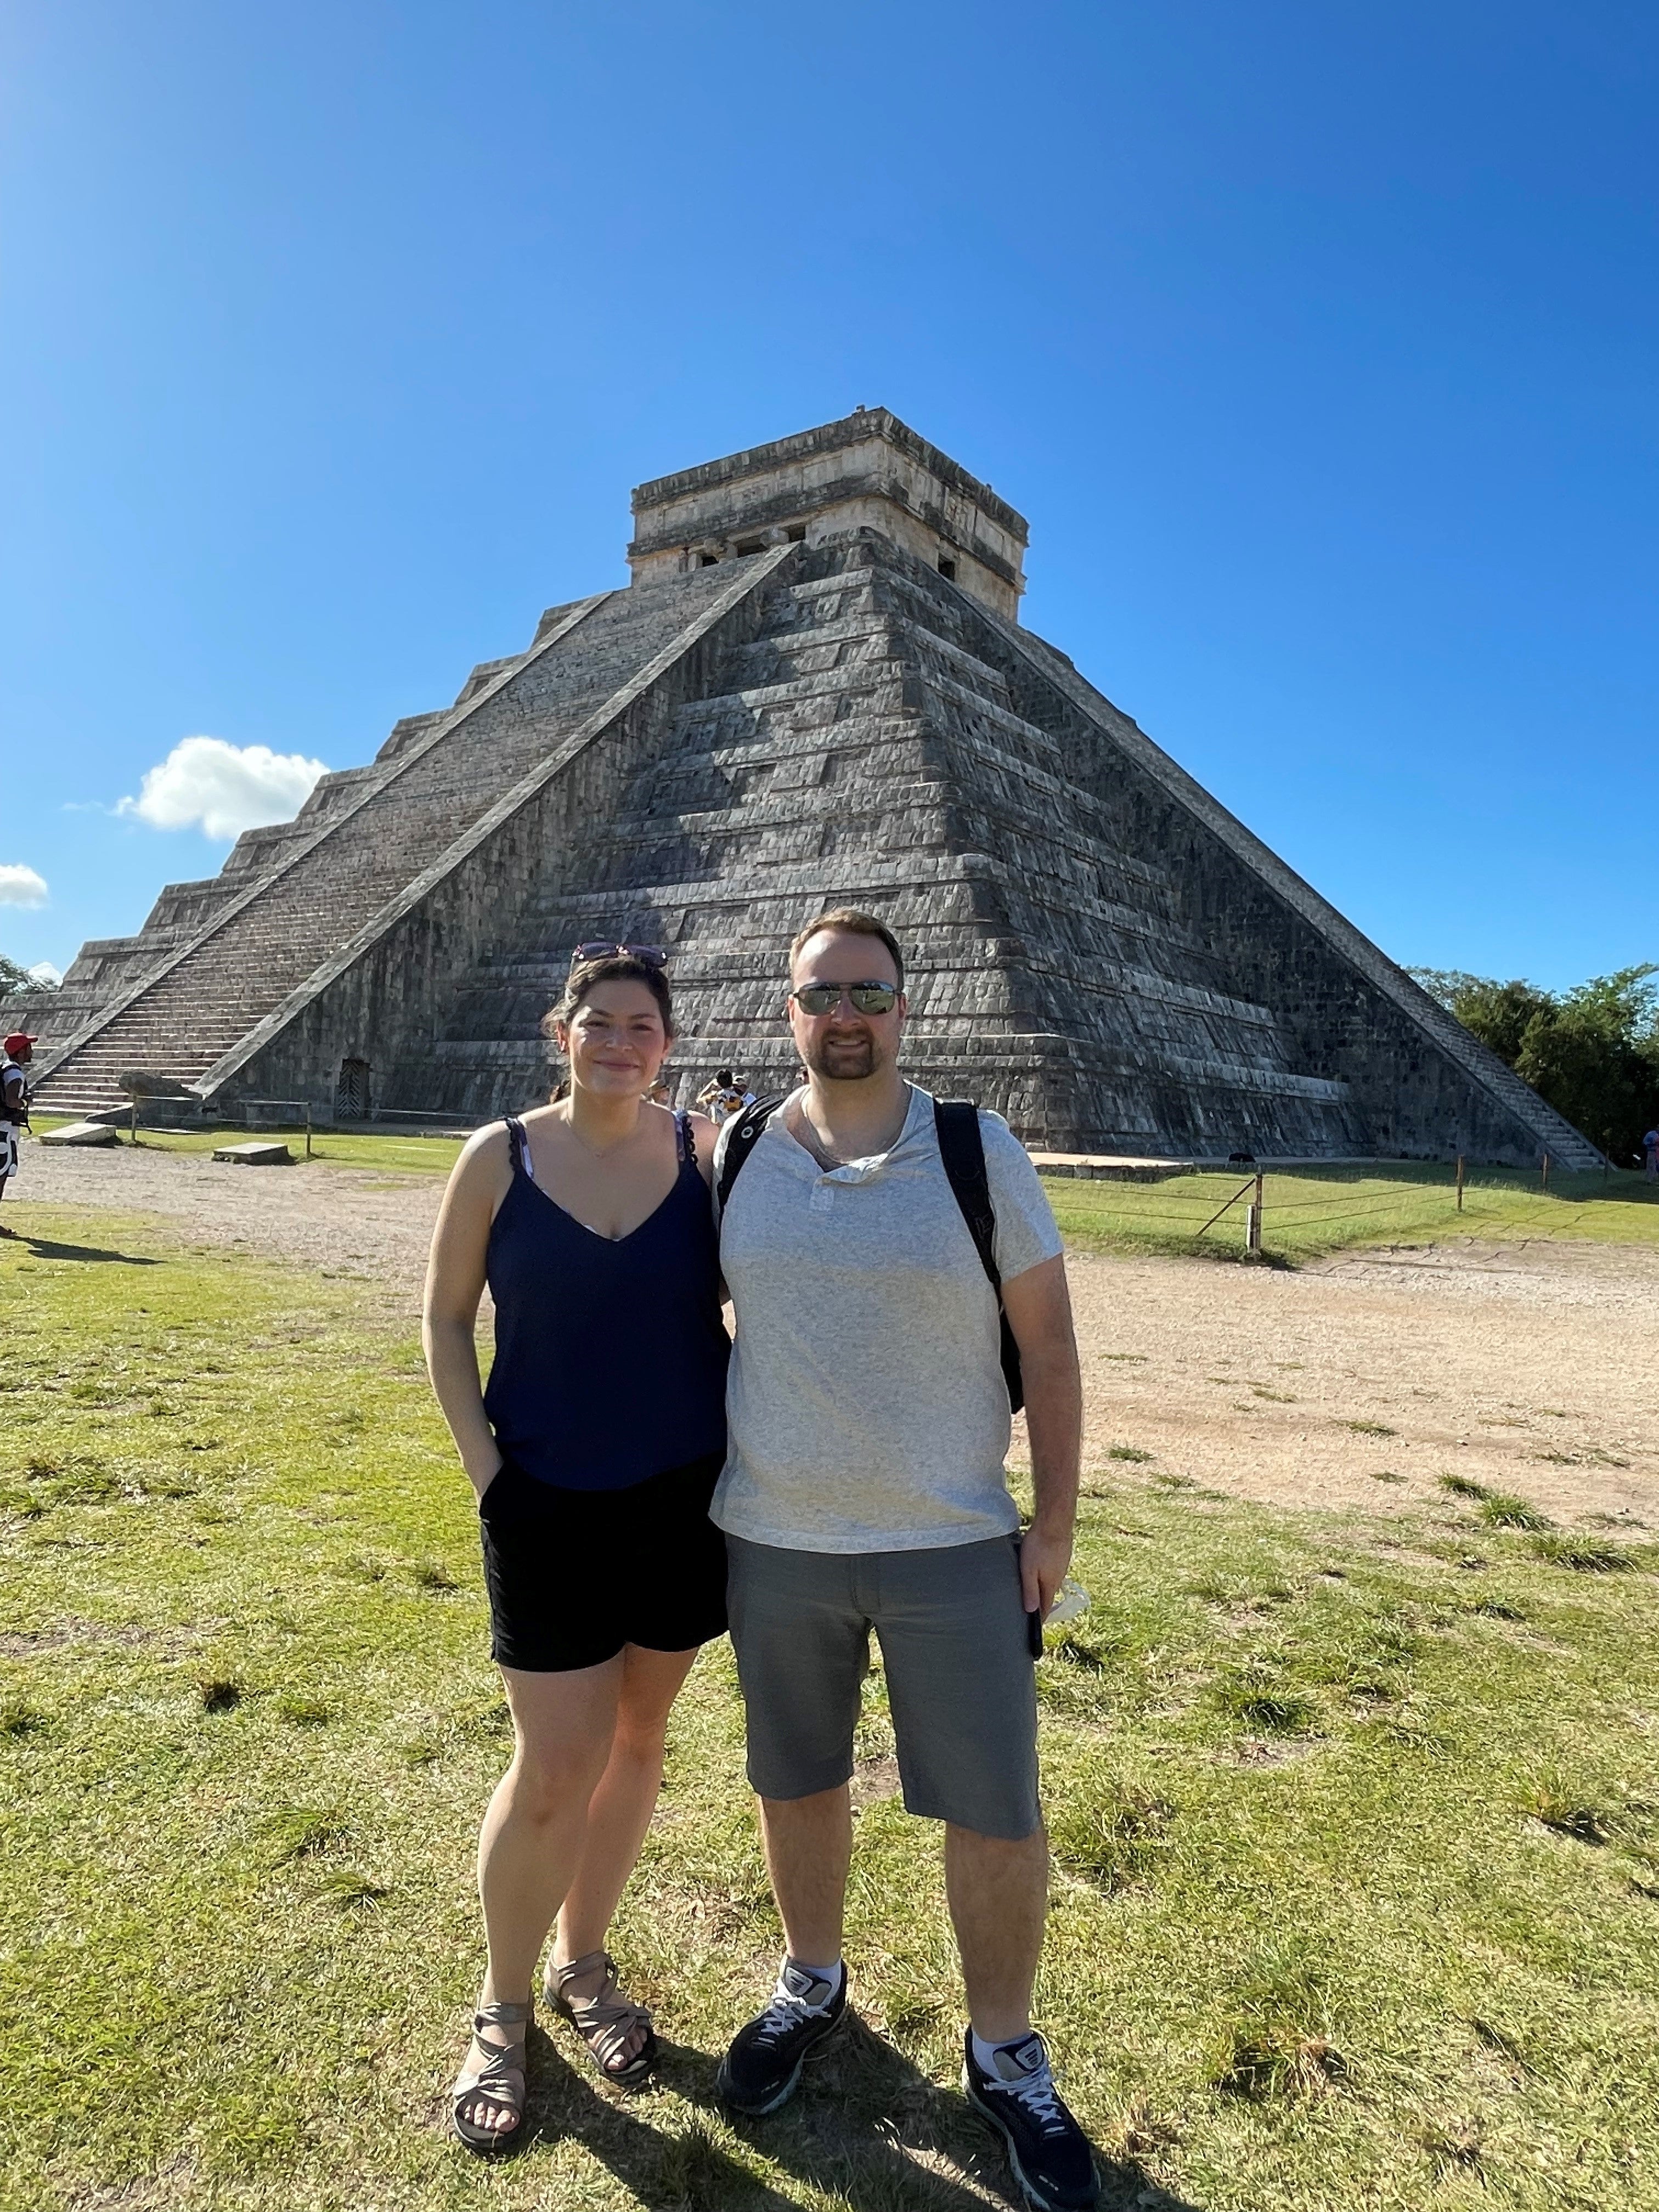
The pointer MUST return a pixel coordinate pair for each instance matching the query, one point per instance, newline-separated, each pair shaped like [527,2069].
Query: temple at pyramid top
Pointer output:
[815,691]
[867,468]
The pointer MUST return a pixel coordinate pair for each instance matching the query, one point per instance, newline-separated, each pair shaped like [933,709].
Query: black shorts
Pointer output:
[574,1575]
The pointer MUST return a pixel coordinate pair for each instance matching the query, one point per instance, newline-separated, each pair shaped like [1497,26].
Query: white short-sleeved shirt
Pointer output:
[866,1403]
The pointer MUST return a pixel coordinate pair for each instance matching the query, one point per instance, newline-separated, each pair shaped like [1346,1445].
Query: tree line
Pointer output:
[17,982]
[1592,1052]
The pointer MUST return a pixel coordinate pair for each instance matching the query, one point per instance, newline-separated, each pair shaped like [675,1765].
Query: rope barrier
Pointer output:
[1135,1220]
[1352,1212]
[1415,1204]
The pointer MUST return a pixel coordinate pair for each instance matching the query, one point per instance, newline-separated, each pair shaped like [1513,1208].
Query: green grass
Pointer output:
[403,1155]
[1498,1509]
[1307,1213]
[1357,1889]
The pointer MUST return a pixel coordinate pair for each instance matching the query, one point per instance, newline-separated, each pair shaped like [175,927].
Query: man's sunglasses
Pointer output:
[866,997]
[652,955]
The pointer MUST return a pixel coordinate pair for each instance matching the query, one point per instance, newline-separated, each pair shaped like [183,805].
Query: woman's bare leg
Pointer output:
[619,1811]
[535,1831]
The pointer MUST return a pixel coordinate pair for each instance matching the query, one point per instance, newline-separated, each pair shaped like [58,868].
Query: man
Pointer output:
[18,1051]
[863,1488]
[1651,1154]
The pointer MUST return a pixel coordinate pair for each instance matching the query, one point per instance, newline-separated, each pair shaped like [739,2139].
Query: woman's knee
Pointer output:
[640,1738]
[647,1700]
[548,1779]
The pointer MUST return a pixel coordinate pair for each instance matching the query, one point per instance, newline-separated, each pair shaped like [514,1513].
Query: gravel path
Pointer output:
[1357,1381]
[343,1221]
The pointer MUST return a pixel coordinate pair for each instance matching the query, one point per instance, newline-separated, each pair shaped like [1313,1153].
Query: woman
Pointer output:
[593,1452]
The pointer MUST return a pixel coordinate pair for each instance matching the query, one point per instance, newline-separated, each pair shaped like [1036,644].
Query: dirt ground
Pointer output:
[1354,1382]
[1358,1381]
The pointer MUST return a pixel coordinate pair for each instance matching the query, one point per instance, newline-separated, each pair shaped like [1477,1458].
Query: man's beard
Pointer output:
[847,1060]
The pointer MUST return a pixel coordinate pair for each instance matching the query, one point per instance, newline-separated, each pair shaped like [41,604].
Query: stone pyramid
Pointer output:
[814,689]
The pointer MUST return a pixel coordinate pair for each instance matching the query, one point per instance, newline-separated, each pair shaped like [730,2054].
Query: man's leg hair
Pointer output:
[998,1893]
[809,1853]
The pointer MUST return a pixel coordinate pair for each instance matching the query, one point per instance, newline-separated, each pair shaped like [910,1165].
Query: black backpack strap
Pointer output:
[962,1148]
[518,1145]
[963,1151]
[737,1139]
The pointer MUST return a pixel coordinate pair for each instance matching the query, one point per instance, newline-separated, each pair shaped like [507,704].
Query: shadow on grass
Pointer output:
[867,2126]
[666,2172]
[43,1247]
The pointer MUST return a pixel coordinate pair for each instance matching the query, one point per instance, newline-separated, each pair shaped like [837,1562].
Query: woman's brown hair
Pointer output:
[611,967]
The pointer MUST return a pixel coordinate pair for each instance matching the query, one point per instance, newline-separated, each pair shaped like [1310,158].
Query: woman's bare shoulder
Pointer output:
[483,1157]
[703,1134]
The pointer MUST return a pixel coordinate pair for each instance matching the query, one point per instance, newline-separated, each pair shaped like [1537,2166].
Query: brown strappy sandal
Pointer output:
[500,2081]
[605,2021]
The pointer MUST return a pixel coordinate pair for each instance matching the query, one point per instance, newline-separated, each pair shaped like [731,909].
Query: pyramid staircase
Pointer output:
[436,776]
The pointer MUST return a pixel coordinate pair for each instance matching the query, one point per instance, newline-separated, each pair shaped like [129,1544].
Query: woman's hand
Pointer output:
[481,1482]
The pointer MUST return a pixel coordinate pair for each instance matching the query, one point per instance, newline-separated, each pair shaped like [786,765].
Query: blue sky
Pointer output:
[1318,343]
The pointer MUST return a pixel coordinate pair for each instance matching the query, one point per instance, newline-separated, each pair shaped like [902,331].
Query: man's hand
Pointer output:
[1044,1556]
[1039,1312]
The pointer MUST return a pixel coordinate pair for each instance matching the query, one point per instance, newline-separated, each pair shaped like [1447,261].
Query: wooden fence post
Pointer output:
[1252,1219]
[1547,1171]
[1460,1182]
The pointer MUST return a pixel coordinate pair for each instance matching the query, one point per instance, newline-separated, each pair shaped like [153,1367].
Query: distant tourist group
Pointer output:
[646,1485]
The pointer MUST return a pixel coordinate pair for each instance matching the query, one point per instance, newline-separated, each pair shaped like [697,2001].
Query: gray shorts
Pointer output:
[951,1626]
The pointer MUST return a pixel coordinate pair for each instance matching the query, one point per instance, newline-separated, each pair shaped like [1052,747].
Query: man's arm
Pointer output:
[1039,1308]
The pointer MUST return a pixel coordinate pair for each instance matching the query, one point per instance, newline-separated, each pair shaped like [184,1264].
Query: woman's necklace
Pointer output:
[600,1152]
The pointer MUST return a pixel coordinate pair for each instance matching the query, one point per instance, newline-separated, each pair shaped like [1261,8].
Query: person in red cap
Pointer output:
[13,1102]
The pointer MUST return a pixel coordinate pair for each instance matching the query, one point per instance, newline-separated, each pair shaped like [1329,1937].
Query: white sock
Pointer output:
[830,1974]
[985,2054]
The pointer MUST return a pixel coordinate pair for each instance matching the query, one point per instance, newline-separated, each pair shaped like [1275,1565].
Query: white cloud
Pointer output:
[223,788]
[20,886]
[44,972]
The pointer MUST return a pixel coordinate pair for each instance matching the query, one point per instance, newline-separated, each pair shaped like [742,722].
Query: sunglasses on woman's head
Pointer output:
[866,997]
[652,955]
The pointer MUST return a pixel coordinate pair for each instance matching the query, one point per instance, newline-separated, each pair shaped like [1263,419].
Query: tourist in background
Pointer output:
[18,1052]
[1651,1154]
[593,1451]
[725,1096]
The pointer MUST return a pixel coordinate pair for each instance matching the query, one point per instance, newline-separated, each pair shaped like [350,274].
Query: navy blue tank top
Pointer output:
[610,1356]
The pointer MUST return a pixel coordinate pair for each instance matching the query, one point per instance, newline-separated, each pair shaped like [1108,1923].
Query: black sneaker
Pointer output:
[763,2064]
[1047,2148]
